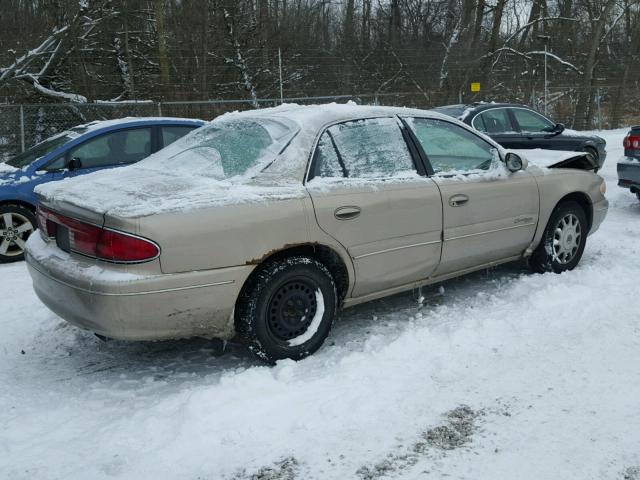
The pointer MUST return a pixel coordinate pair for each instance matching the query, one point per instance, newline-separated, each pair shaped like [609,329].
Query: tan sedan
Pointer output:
[262,224]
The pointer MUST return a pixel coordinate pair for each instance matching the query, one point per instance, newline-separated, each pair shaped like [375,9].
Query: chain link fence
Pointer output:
[22,126]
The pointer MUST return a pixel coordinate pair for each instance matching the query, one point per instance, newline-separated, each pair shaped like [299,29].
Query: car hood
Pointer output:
[133,192]
[558,158]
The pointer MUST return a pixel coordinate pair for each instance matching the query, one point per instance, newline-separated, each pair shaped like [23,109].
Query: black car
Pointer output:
[629,166]
[518,126]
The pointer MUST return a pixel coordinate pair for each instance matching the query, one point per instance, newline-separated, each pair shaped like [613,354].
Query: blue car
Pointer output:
[80,150]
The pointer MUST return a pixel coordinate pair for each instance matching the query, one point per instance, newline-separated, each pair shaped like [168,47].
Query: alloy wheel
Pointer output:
[566,238]
[15,228]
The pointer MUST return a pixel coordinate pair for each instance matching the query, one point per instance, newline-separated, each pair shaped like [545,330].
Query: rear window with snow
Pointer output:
[369,148]
[226,149]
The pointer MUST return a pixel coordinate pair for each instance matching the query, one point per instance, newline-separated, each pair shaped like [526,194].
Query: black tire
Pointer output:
[279,305]
[638,195]
[13,236]
[548,256]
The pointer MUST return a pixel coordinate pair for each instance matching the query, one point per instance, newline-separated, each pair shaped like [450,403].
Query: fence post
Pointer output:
[22,127]
[159,109]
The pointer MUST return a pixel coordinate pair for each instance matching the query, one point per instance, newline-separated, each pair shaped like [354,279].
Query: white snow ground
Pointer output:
[547,364]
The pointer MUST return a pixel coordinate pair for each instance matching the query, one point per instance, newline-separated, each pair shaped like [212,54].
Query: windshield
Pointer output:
[41,149]
[226,149]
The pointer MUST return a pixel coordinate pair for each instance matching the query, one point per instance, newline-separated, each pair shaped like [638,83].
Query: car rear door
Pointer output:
[498,124]
[367,194]
[489,214]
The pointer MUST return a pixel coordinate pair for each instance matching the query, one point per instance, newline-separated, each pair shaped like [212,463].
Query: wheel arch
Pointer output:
[322,253]
[21,203]
[581,199]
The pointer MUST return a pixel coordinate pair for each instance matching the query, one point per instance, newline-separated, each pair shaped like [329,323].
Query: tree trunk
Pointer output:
[347,37]
[163,55]
[583,113]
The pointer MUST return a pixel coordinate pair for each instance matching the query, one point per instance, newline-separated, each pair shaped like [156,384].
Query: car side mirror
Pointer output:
[558,128]
[74,164]
[515,162]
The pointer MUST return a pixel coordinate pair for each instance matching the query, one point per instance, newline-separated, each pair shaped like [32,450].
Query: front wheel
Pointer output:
[287,308]
[563,240]
[16,224]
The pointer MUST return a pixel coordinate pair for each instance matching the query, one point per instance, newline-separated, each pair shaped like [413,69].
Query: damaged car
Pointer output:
[261,225]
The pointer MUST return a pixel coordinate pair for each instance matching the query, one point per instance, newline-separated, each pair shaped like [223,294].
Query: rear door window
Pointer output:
[369,148]
[125,146]
[491,121]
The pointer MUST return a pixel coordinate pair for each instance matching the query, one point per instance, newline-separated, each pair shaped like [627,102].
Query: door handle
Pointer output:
[458,200]
[347,212]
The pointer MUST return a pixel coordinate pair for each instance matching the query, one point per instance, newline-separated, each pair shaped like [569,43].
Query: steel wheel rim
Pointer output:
[291,309]
[566,238]
[15,228]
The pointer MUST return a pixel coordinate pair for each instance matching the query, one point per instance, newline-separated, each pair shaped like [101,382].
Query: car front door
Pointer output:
[368,196]
[489,214]
[537,131]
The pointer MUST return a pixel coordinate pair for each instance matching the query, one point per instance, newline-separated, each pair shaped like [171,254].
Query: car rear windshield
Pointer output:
[40,150]
[226,149]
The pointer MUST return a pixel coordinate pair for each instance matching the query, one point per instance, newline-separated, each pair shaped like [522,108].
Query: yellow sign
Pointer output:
[475,87]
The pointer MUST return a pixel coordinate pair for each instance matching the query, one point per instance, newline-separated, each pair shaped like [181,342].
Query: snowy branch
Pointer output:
[528,56]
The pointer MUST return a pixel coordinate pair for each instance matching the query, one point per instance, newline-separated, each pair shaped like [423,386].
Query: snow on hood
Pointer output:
[547,158]
[5,168]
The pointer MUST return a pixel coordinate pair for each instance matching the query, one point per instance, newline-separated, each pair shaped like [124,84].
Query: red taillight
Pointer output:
[95,241]
[46,226]
[118,247]
[632,142]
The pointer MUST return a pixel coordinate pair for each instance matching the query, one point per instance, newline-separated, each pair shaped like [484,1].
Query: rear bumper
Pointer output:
[629,174]
[152,307]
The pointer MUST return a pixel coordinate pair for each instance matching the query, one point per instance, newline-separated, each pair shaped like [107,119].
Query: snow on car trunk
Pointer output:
[501,374]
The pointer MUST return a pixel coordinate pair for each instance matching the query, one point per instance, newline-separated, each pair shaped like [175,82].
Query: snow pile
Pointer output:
[6,168]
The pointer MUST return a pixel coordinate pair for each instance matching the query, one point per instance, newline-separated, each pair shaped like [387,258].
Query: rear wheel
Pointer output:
[563,240]
[638,195]
[16,224]
[287,308]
